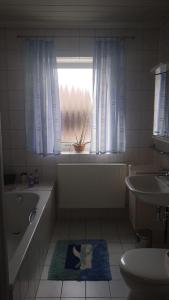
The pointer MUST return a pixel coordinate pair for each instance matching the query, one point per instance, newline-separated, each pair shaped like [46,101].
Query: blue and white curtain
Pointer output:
[42,106]
[108,124]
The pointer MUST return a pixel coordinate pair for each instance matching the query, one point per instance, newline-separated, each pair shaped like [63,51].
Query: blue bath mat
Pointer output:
[80,260]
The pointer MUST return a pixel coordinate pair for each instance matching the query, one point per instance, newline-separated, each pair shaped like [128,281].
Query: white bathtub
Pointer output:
[20,211]
[29,216]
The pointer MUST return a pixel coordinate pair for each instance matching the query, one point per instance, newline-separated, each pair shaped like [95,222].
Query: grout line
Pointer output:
[61,290]
[85,289]
[109,288]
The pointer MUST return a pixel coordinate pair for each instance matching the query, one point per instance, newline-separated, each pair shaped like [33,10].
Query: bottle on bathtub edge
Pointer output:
[36,177]
[30,180]
[24,178]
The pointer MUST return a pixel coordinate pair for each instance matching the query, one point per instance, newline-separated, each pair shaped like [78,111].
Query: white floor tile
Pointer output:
[128,246]
[98,298]
[49,289]
[97,289]
[74,298]
[49,298]
[114,247]
[119,237]
[115,273]
[114,259]
[106,298]
[118,288]
[73,289]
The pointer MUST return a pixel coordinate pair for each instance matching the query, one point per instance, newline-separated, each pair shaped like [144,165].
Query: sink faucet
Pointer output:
[164,172]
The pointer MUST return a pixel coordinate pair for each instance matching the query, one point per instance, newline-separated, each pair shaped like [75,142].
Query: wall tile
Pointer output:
[17,157]
[17,120]
[140,100]
[141,55]
[2,39]
[15,60]
[17,139]
[3,60]
[139,120]
[3,80]
[4,101]
[16,100]
[6,141]
[5,120]
[15,80]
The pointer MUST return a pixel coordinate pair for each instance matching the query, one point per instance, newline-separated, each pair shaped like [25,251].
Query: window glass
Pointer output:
[75,91]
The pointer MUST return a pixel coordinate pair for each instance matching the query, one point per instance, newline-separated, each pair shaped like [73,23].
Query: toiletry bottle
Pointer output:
[30,180]
[36,177]
[24,178]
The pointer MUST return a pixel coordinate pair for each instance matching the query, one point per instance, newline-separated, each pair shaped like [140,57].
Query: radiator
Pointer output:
[91,185]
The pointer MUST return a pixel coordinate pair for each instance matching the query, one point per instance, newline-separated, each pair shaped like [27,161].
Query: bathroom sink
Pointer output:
[152,189]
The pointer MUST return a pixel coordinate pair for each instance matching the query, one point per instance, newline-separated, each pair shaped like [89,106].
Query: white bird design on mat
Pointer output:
[85,256]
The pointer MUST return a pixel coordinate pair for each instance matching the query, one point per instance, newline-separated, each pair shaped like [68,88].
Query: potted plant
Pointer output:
[80,144]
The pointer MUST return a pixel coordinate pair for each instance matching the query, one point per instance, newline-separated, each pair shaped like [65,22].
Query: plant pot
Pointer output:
[79,148]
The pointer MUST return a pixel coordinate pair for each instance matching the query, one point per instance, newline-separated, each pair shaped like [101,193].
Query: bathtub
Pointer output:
[29,220]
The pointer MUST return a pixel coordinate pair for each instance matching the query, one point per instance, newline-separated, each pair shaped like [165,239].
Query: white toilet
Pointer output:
[146,272]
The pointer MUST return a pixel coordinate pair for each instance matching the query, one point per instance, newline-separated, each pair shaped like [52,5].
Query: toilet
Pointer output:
[146,273]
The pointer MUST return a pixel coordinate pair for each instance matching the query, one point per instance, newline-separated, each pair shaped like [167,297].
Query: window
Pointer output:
[75,91]
[161,101]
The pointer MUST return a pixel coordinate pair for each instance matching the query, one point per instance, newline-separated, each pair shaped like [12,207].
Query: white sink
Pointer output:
[151,189]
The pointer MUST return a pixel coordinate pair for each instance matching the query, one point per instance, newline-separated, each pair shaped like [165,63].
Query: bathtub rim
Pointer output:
[18,258]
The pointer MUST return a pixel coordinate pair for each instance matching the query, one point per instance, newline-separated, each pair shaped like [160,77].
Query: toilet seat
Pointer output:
[148,265]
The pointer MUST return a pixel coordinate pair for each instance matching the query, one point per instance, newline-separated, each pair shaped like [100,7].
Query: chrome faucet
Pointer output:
[164,172]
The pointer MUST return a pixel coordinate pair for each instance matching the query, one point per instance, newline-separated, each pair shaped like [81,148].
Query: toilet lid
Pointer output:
[147,264]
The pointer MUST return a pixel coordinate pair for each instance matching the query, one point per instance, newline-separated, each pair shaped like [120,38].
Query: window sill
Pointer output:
[75,153]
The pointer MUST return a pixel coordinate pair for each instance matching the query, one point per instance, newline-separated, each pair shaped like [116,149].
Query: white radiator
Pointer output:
[91,185]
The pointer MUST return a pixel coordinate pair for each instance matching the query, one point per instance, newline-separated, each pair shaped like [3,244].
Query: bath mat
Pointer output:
[80,260]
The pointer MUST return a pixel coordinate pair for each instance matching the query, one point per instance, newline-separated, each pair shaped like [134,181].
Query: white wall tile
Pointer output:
[139,120]
[6,141]
[3,79]
[17,120]
[5,120]
[2,39]
[141,55]
[17,157]
[17,138]
[139,138]
[140,100]
[15,60]
[15,80]
[3,60]
[16,100]
[4,101]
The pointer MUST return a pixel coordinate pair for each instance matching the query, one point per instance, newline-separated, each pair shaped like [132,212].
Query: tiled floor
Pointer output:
[120,238]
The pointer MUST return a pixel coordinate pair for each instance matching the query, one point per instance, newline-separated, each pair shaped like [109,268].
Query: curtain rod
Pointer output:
[75,36]
[161,73]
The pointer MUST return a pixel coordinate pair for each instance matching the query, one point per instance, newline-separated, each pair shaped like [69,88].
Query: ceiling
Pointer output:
[85,13]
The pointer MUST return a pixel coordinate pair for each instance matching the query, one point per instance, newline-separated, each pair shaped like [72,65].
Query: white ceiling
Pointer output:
[85,13]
